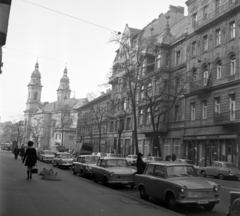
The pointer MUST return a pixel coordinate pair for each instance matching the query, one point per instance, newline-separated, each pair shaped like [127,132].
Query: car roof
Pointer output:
[169,163]
[62,153]
[88,156]
[106,157]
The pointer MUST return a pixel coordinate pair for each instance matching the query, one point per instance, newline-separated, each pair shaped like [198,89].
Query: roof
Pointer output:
[169,163]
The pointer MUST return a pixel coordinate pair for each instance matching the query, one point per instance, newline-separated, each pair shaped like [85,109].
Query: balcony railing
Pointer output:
[222,9]
[232,116]
[148,128]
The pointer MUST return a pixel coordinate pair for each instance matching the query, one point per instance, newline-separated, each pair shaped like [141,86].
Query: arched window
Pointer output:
[219,69]
[35,95]
[233,64]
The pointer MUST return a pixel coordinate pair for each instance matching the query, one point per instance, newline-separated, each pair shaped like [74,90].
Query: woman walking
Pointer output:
[31,158]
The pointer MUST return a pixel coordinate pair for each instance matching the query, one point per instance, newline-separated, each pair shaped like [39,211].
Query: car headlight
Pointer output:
[111,174]
[183,189]
[216,188]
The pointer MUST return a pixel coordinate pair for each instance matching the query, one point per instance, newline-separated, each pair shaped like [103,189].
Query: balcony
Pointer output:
[144,129]
[223,10]
[228,117]
[200,85]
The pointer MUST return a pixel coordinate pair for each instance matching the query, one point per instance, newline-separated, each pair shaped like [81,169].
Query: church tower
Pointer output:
[34,96]
[63,92]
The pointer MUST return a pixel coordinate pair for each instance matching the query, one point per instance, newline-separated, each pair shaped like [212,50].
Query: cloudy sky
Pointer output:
[66,33]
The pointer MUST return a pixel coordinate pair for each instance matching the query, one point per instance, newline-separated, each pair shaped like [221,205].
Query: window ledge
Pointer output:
[217,46]
[231,77]
[232,39]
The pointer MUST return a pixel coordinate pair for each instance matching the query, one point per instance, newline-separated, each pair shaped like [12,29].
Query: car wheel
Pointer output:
[74,171]
[221,176]
[143,194]
[105,181]
[209,208]
[171,202]
[95,178]
[203,173]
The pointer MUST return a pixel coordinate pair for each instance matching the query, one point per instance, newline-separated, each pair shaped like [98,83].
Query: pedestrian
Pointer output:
[22,152]
[16,152]
[141,165]
[30,159]
[173,157]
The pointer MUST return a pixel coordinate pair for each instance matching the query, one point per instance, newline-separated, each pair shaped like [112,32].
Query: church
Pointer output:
[51,125]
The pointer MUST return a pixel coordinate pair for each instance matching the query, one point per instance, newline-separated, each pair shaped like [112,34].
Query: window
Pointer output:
[143,69]
[149,89]
[177,117]
[232,30]
[159,171]
[142,93]
[194,51]
[194,75]
[232,107]
[128,124]
[204,109]
[205,43]
[149,170]
[194,20]
[205,77]
[233,65]
[217,106]
[158,61]
[219,70]
[71,138]
[148,120]
[35,95]
[218,4]
[141,117]
[193,111]
[205,12]
[56,136]
[178,57]
[218,37]
[111,126]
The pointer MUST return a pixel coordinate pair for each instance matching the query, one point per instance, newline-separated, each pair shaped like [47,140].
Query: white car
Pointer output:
[131,159]
[46,156]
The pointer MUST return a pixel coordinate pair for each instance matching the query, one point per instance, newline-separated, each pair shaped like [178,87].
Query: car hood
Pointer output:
[193,182]
[121,170]
[234,170]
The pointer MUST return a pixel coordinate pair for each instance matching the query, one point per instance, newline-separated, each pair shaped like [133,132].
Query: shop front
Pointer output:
[203,150]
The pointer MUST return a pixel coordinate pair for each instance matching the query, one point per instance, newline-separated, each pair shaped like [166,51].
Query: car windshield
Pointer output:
[134,156]
[229,165]
[116,163]
[91,159]
[180,171]
[157,159]
[65,156]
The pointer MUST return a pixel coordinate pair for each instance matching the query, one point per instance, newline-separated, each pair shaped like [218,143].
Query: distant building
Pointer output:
[51,124]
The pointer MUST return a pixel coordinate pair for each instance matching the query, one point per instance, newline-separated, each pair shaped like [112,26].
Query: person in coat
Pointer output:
[173,157]
[140,164]
[16,152]
[30,159]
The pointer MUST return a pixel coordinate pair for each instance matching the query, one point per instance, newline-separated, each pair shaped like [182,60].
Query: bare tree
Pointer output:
[65,117]
[133,58]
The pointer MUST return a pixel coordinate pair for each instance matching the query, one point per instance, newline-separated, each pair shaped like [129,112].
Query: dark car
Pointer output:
[234,208]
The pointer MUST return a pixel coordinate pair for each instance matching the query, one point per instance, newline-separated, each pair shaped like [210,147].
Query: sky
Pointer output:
[66,33]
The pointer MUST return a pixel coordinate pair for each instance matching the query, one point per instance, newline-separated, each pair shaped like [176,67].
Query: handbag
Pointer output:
[35,169]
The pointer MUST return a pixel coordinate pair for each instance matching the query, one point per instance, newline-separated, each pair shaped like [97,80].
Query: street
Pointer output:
[72,195]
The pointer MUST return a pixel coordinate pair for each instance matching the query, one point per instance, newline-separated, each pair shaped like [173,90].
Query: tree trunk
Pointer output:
[62,138]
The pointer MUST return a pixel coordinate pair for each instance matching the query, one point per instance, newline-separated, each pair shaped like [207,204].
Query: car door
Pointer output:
[158,183]
[77,165]
[97,169]
[149,180]
[209,170]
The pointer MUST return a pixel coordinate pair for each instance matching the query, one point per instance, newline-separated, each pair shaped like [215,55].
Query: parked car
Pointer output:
[112,170]
[62,159]
[177,184]
[46,155]
[187,161]
[83,165]
[234,208]
[149,159]
[131,159]
[221,170]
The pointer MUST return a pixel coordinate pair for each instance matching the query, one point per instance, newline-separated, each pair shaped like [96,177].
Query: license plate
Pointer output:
[202,202]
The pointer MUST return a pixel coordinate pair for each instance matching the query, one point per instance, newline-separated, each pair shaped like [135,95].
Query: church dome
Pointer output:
[64,78]
[36,72]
